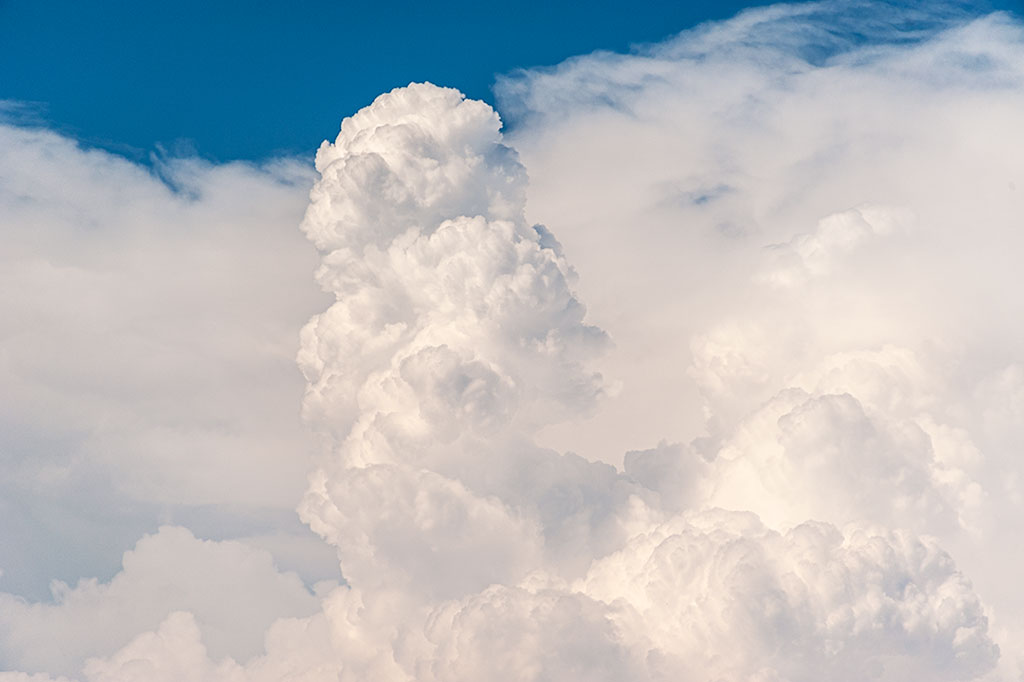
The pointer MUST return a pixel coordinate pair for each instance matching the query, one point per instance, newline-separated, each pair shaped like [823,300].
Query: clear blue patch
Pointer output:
[259,79]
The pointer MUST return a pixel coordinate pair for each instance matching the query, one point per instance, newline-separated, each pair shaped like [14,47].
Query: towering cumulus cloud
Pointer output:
[473,554]
[843,450]
[454,337]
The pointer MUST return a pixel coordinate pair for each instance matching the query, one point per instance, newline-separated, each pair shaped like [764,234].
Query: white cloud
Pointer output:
[172,652]
[147,341]
[232,590]
[718,596]
[814,360]
[135,329]
[712,151]
[814,254]
[828,395]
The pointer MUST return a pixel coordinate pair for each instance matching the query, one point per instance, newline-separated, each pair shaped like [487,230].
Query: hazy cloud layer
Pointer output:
[133,323]
[147,343]
[796,231]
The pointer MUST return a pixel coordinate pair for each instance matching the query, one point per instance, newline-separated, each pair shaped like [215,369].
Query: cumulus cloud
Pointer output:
[718,596]
[794,227]
[146,353]
[474,340]
[166,572]
[815,253]
[117,282]
[819,289]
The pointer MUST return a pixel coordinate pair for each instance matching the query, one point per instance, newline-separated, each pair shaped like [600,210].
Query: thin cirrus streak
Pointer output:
[798,247]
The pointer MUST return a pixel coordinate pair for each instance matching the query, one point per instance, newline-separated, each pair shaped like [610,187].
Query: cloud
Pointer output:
[464,338]
[146,350]
[445,394]
[817,282]
[814,254]
[168,571]
[173,652]
[146,286]
[718,596]
[795,227]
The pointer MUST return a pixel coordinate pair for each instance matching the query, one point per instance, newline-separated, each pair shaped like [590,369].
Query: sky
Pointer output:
[226,83]
[232,83]
[659,343]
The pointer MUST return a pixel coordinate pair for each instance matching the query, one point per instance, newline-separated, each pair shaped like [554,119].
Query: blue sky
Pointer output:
[227,82]
[277,77]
